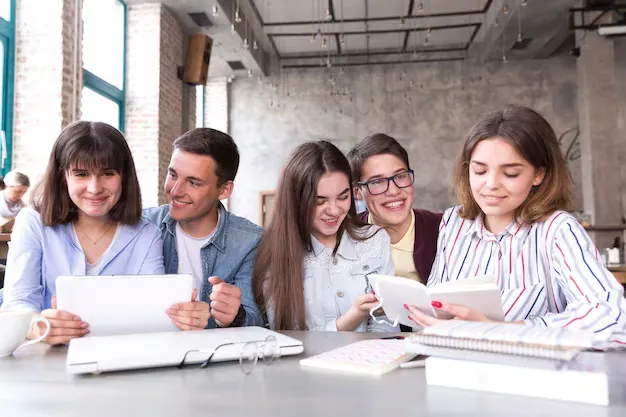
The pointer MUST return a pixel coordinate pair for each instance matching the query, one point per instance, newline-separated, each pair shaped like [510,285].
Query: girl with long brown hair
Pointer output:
[310,271]
[513,186]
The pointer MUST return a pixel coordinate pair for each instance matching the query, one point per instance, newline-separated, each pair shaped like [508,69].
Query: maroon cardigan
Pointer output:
[425,245]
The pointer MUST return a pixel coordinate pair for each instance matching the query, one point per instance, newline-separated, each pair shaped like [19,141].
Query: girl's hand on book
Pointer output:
[459,312]
[364,303]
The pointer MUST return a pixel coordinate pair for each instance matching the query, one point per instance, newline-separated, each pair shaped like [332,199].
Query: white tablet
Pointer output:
[118,353]
[123,304]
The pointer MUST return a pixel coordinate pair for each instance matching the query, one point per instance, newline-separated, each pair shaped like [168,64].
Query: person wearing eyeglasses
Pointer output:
[315,255]
[383,179]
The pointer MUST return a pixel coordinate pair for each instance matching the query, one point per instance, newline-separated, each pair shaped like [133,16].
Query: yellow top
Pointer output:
[402,252]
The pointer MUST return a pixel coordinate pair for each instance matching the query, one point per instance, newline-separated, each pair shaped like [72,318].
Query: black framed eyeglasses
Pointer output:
[381,185]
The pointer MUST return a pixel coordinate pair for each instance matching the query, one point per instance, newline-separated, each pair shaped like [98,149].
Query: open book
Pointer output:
[480,293]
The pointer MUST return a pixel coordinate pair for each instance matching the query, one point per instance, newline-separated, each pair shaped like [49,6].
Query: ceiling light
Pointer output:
[255,45]
[215,11]
[237,17]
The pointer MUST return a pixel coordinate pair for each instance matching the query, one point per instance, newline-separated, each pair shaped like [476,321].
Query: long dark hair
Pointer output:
[95,146]
[278,272]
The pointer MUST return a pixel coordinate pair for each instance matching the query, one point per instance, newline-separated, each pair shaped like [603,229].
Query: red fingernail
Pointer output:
[406,306]
[411,318]
[436,304]
[373,292]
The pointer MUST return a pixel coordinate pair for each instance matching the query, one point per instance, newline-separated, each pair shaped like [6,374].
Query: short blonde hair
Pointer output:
[533,137]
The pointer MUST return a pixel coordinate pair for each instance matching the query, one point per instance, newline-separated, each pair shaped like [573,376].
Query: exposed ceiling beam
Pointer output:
[385,18]
[408,33]
[381,31]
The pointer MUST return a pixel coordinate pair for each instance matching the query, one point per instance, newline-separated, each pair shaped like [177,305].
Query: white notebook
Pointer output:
[504,338]
[371,357]
[583,379]
[480,293]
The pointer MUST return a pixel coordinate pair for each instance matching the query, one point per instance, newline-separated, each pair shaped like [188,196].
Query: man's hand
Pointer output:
[225,301]
[193,315]
[64,326]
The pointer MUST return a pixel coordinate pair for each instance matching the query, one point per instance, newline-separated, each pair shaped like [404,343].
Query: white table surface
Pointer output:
[33,383]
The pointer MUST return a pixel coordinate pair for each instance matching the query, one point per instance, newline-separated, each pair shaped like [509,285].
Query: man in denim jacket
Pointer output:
[201,238]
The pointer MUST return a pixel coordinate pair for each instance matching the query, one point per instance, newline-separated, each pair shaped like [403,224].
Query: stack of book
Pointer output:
[512,359]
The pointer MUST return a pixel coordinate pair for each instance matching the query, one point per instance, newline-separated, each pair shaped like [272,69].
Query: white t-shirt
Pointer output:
[189,259]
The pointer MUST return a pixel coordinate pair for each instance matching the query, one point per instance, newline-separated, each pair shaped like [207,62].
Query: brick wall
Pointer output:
[142,94]
[170,91]
[216,105]
[45,80]
[157,102]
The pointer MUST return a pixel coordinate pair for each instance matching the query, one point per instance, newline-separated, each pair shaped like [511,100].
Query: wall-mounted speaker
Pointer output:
[197,61]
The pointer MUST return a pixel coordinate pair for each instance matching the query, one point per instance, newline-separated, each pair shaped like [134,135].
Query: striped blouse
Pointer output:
[549,272]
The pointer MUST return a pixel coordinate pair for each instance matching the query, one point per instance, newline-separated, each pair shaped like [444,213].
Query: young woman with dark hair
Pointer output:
[314,258]
[85,220]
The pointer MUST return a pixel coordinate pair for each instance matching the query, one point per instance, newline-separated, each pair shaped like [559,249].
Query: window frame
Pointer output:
[7,30]
[104,88]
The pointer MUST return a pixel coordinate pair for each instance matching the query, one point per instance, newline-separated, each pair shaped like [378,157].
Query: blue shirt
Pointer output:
[39,254]
[229,255]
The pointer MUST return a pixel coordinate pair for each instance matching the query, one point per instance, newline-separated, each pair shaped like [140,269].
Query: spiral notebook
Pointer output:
[372,357]
[503,338]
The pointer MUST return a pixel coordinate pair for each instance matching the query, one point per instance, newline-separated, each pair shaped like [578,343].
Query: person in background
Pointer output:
[85,220]
[383,179]
[315,255]
[16,186]
[202,238]
[513,187]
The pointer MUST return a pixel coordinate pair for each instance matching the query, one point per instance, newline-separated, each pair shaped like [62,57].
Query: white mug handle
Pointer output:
[36,320]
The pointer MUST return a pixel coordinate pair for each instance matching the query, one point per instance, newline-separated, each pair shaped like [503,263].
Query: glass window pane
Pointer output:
[200,106]
[5,9]
[103,40]
[97,108]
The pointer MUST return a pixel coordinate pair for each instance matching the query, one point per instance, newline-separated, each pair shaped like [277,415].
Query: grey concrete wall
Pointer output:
[620,76]
[427,107]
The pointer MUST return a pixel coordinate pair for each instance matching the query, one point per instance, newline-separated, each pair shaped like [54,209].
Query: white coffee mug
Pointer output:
[14,326]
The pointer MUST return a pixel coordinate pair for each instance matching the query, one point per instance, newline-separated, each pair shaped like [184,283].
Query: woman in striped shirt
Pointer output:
[513,186]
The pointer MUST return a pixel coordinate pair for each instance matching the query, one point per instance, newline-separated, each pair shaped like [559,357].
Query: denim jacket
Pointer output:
[230,255]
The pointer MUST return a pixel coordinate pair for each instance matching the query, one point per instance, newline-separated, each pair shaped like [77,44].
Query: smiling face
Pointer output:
[192,188]
[500,180]
[393,207]
[333,204]
[94,193]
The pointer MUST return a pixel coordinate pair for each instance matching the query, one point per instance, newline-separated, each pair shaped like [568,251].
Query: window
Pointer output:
[7,50]
[199,106]
[104,50]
